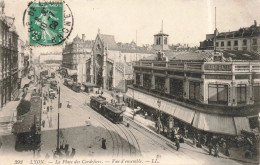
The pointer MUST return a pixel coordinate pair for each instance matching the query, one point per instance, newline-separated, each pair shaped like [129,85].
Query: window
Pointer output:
[165,41]
[138,79]
[222,43]
[229,43]
[254,41]
[217,44]
[244,42]
[194,90]
[159,84]
[176,87]
[241,93]
[147,81]
[256,92]
[218,94]
[235,43]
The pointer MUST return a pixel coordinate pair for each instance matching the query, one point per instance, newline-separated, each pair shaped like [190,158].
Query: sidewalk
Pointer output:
[8,116]
[188,145]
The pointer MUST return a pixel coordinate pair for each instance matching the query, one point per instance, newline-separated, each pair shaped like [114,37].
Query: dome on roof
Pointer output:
[76,38]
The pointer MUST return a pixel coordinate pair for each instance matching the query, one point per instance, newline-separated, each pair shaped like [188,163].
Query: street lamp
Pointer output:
[159,115]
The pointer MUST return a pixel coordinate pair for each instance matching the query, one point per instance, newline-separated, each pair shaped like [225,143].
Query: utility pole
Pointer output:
[133,88]
[215,32]
[58,130]
[162,36]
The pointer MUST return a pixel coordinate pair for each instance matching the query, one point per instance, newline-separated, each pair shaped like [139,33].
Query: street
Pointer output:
[83,129]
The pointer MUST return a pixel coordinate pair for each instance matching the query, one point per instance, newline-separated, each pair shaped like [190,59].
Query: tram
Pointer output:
[97,103]
[112,113]
[100,105]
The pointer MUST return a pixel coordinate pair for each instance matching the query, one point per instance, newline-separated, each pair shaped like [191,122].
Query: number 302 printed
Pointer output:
[18,161]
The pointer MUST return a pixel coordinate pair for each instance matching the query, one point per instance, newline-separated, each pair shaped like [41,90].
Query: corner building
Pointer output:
[207,91]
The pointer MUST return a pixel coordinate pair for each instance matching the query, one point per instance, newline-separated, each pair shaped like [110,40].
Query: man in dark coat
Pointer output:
[104,143]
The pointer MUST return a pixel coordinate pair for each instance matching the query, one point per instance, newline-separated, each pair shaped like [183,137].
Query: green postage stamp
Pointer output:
[49,23]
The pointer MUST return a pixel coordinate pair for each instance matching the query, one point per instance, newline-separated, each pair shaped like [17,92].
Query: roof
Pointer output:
[201,55]
[128,69]
[113,109]
[160,34]
[109,40]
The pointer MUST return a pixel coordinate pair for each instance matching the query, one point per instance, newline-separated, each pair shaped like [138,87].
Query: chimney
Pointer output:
[255,23]
[83,36]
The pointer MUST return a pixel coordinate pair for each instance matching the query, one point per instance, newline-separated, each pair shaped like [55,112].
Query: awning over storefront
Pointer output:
[72,72]
[184,114]
[214,123]
[242,123]
[202,121]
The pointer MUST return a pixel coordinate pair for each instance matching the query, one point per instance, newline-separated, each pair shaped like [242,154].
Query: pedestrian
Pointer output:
[194,139]
[216,150]
[73,152]
[104,143]
[225,146]
[1,143]
[210,147]
[43,123]
[146,114]
[185,132]
[177,142]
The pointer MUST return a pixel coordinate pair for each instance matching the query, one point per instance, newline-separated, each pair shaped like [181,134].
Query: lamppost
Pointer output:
[159,115]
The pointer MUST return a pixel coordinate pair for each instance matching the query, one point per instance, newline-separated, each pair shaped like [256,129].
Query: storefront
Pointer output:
[218,94]
[214,123]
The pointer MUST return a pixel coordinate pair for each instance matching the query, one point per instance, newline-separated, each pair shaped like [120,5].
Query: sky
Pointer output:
[186,21]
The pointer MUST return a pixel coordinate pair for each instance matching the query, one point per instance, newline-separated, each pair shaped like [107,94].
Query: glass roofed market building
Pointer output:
[212,92]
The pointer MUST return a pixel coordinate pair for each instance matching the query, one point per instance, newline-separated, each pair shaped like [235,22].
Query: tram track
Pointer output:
[113,138]
[169,146]
[130,138]
[148,134]
[113,132]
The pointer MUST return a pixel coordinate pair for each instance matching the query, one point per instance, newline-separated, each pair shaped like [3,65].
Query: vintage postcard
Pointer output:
[129,82]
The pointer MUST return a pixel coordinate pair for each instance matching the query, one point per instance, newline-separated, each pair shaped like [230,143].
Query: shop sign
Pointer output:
[218,67]
[215,76]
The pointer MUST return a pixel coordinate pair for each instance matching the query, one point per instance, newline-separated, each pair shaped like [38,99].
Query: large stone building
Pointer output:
[21,62]
[110,65]
[51,57]
[8,58]
[201,89]
[74,57]
[243,39]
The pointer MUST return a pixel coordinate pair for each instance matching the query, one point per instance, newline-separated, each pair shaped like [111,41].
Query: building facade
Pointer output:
[51,57]
[8,59]
[247,39]
[204,90]
[74,55]
[207,81]
[110,65]
[21,66]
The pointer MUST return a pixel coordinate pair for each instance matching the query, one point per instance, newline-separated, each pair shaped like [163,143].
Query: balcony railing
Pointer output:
[233,66]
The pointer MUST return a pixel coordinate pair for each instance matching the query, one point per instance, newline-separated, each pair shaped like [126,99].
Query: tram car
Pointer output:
[100,105]
[97,103]
[112,113]
[76,87]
